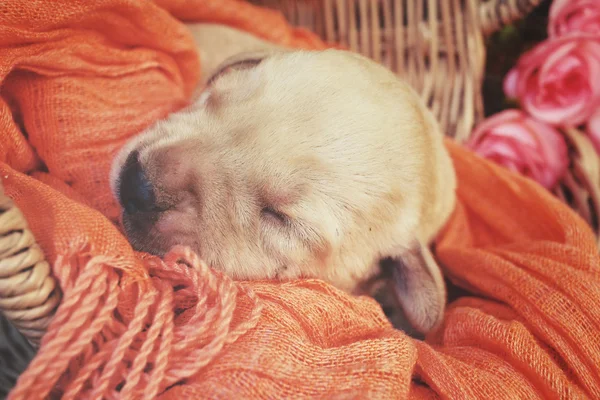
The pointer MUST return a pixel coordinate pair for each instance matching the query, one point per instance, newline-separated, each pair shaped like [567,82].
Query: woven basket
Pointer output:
[438,45]
[580,188]
[29,294]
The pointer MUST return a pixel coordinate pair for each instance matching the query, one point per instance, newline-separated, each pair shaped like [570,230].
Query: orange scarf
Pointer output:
[79,78]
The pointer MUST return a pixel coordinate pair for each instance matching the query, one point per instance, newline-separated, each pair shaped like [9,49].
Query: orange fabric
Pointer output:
[78,78]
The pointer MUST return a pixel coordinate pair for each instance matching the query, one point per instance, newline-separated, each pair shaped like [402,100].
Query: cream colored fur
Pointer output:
[336,143]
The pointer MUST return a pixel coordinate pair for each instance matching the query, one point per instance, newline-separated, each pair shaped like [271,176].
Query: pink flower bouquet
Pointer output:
[557,84]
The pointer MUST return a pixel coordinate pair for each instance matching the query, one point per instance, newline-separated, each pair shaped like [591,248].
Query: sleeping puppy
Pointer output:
[293,164]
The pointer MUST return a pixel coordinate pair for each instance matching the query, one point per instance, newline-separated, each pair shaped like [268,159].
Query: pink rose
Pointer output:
[558,81]
[513,139]
[593,129]
[568,16]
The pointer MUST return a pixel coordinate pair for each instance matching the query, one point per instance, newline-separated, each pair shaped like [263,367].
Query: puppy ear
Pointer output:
[418,286]
[241,61]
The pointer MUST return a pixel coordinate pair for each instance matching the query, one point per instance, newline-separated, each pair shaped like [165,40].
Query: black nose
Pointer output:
[135,190]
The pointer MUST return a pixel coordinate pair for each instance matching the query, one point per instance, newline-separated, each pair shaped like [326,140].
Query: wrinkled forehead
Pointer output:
[287,77]
[290,91]
[312,75]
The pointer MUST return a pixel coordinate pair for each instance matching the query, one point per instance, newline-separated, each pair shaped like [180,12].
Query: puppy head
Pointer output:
[299,164]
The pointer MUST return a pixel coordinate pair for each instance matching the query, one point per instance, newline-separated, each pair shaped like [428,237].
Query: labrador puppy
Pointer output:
[297,164]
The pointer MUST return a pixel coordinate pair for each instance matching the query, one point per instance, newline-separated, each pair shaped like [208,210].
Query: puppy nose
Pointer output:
[135,190]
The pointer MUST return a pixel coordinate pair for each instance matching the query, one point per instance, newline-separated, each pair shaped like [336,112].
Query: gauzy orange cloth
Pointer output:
[79,78]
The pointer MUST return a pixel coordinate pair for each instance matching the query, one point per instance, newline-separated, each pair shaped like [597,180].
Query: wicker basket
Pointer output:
[580,188]
[29,295]
[438,45]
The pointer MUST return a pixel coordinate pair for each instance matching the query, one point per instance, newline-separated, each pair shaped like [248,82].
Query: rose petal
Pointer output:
[557,53]
[573,114]
[516,130]
[495,120]
[572,16]
[553,149]
[593,130]
[510,83]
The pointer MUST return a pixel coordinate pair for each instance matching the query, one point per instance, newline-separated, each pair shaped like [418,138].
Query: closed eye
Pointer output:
[273,215]
[241,64]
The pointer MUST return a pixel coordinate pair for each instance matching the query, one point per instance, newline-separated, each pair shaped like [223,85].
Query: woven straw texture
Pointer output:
[28,292]
[78,79]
